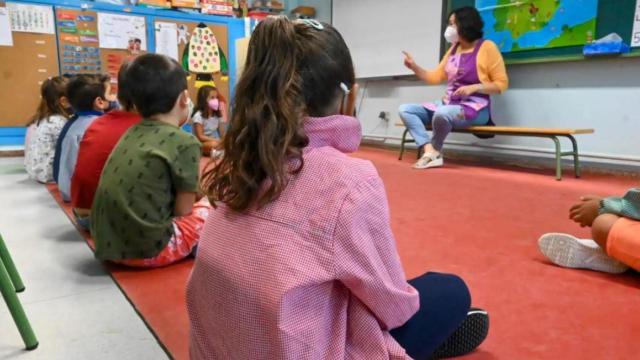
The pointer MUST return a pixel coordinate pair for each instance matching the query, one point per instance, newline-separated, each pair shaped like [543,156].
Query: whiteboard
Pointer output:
[376,32]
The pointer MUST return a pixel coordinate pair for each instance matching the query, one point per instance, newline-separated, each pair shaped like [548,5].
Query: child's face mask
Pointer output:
[190,108]
[113,105]
[214,104]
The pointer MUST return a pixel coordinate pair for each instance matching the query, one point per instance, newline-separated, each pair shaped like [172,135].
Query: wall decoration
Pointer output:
[117,31]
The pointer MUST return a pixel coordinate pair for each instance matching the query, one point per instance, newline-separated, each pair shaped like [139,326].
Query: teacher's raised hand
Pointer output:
[408,61]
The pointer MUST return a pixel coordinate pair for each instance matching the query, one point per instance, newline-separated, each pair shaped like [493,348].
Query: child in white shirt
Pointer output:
[45,128]
[209,118]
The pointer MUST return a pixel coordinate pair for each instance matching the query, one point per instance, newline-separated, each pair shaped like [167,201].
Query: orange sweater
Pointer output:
[491,67]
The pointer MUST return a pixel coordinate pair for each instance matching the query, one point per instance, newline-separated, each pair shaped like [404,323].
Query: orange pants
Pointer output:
[623,242]
[186,234]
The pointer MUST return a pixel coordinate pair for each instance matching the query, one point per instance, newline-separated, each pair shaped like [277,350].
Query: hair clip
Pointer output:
[313,23]
[345,88]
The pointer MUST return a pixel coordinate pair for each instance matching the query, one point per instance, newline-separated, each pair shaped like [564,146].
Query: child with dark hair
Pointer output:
[145,213]
[299,261]
[208,118]
[90,97]
[45,128]
[96,146]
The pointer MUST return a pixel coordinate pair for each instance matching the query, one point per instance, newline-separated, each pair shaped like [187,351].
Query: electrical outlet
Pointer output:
[384,116]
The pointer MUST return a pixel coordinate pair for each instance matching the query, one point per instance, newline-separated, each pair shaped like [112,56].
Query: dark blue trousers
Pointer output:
[444,302]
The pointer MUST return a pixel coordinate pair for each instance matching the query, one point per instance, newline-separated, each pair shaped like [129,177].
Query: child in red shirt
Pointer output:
[96,146]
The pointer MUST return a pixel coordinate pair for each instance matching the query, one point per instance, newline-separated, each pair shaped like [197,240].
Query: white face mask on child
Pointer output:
[451,34]
[190,108]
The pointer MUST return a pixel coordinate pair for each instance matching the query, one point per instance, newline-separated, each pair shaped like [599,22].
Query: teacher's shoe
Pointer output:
[429,160]
[467,337]
[570,252]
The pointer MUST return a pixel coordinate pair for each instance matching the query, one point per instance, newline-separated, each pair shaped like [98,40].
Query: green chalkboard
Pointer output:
[613,16]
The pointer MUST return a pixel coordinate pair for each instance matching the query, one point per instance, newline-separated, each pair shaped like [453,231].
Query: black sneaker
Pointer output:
[467,337]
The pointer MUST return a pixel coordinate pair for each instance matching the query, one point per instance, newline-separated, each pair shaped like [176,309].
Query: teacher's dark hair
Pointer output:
[469,23]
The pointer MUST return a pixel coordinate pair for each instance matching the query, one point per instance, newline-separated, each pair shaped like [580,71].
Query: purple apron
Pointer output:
[462,70]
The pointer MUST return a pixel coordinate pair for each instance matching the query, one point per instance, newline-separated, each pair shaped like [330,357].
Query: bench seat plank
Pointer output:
[519,130]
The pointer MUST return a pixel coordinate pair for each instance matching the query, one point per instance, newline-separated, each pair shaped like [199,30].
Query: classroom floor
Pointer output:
[480,222]
[74,307]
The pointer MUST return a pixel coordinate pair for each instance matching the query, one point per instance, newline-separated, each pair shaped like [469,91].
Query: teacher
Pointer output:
[473,68]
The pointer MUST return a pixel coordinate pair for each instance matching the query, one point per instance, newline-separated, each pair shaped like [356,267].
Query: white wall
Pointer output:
[599,94]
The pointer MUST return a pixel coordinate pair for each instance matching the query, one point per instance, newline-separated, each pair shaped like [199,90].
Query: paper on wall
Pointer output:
[122,32]
[31,18]
[6,38]
[167,39]
[242,49]
[635,34]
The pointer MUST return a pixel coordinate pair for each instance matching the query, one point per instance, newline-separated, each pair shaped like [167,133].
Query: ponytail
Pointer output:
[293,70]
[265,132]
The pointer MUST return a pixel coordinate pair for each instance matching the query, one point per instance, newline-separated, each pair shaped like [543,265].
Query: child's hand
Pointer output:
[586,211]
[350,105]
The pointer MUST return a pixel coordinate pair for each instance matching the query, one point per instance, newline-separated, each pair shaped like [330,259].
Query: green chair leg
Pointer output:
[558,158]
[402,143]
[10,266]
[576,156]
[16,310]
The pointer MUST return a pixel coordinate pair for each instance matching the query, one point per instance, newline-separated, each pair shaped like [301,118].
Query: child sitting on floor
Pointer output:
[145,213]
[90,97]
[96,146]
[615,227]
[299,261]
[208,118]
[45,128]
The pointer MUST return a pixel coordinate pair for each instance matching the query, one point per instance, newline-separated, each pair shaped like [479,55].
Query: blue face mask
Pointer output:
[113,105]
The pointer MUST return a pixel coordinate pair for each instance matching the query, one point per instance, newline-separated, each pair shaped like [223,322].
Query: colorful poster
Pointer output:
[635,35]
[167,39]
[6,38]
[31,18]
[117,31]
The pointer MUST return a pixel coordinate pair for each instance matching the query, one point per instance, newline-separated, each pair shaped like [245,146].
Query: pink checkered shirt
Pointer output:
[313,275]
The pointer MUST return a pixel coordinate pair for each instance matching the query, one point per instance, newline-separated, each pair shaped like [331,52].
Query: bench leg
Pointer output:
[558,158]
[576,156]
[5,258]
[403,142]
[16,310]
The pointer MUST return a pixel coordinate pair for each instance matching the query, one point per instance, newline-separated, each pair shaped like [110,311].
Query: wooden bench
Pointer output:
[553,134]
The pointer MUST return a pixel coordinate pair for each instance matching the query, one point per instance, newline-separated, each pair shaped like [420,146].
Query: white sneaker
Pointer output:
[568,251]
[216,154]
[429,160]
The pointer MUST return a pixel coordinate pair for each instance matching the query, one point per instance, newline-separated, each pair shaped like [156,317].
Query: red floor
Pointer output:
[481,223]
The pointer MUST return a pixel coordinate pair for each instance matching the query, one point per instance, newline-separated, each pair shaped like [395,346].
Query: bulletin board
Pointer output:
[79,46]
[32,59]
[112,59]
[613,16]
[220,32]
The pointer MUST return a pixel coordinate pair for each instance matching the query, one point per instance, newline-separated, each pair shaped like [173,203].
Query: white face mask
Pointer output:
[190,107]
[451,34]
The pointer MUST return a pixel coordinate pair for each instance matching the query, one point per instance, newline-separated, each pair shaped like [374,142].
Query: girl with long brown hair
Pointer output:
[45,127]
[298,261]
